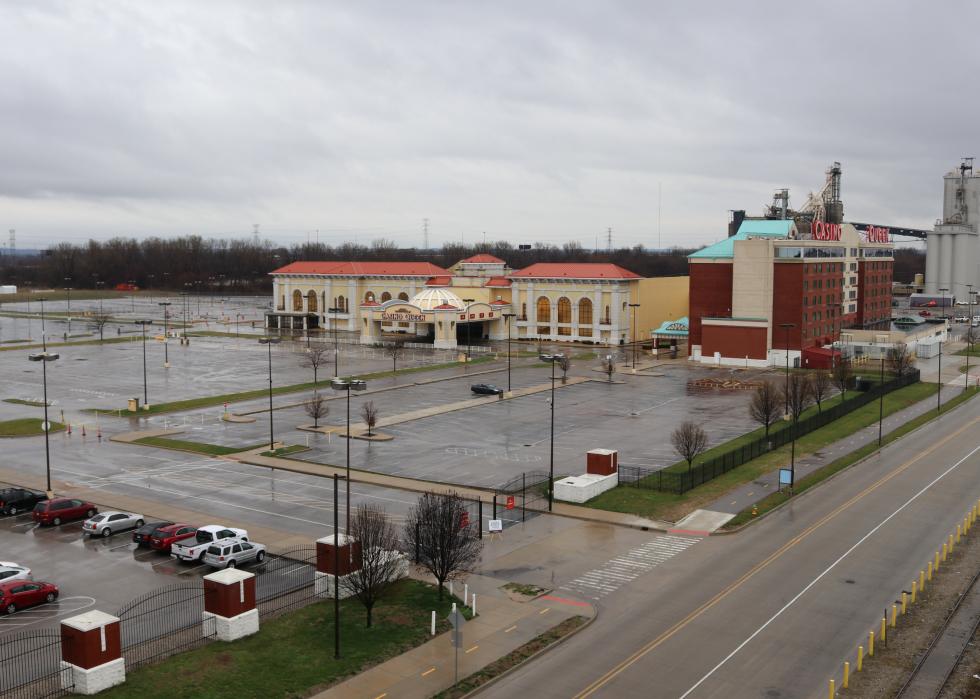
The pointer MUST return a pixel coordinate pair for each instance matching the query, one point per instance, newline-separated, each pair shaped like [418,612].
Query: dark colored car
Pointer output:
[14,500]
[486,389]
[19,594]
[58,510]
[164,537]
[142,536]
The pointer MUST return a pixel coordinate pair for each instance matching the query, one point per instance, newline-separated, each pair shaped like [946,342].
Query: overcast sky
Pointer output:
[529,121]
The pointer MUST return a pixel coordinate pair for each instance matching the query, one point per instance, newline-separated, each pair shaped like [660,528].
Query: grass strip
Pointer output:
[26,427]
[512,659]
[209,401]
[293,655]
[21,401]
[286,451]
[672,507]
[107,341]
[774,500]
[195,447]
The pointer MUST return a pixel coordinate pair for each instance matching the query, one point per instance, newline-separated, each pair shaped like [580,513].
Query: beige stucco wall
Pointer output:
[660,299]
[752,281]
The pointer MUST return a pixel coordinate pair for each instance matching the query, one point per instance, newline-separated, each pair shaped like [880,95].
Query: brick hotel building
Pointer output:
[773,288]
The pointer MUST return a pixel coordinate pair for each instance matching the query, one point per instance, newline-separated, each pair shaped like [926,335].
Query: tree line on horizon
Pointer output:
[193,263]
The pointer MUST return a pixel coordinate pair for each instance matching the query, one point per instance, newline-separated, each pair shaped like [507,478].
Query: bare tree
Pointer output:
[369,413]
[820,384]
[609,366]
[314,357]
[394,350]
[437,530]
[970,337]
[842,374]
[766,404]
[99,320]
[564,363]
[381,560]
[798,394]
[900,359]
[317,408]
[689,441]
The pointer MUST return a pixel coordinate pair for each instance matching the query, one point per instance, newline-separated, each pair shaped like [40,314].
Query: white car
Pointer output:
[962,319]
[231,553]
[108,523]
[12,571]
[194,549]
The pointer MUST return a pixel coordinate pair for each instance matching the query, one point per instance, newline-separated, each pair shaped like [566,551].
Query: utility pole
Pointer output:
[609,239]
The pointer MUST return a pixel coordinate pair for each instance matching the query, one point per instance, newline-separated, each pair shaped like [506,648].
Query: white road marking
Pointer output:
[828,569]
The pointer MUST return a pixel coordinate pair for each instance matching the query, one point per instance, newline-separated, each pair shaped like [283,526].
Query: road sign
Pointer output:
[510,502]
[464,520]
[457,620]
[45,426]
[785,477]
[496,525]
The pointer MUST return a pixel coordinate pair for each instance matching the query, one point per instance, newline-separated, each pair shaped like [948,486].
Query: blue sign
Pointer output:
[785,476]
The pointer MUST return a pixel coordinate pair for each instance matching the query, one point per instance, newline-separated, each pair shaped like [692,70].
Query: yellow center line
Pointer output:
[545,610]
[510,629]
[778,553]
[472,649]
[382,695]
[429,671]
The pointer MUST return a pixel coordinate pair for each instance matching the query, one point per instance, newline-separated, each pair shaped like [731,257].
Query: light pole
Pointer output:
[969,335]
[166,334]
[939,377]
[143,324]
[467,362]
[336,344]
[881,397]
[44,336]
[552,358]
[269,342]
[786,328]
[634,306]
[44,358]
[336,568]
[507,317]
[348,385]
[68,292]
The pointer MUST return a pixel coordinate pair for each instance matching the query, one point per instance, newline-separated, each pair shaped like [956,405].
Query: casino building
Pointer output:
[773,289]
[477,298]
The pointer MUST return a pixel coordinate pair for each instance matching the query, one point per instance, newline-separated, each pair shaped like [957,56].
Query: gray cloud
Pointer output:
[530,121]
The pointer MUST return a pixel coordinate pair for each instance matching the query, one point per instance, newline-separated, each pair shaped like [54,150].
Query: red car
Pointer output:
[164,537]
[19,594]
[58,510]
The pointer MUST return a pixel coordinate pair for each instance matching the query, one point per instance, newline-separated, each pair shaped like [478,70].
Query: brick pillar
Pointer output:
[602,462]
[229,604]
[91,652]
[350,561]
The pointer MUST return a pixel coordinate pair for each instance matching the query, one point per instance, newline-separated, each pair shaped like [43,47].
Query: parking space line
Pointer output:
[429,671]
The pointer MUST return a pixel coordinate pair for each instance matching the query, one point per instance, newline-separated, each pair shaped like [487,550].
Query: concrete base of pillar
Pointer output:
[444,344]
[232,628]
[323,584]
[79,680]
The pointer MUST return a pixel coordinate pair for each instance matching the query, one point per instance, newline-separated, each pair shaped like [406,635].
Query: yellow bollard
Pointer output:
[894,614]
[951,543]
[945,551]
[929,572]
[958,531]
[913,591]
[832,692]
[905,599]
[936,566]
[860,657]
[922,581]
[884,623]
[847,674]
[871,644]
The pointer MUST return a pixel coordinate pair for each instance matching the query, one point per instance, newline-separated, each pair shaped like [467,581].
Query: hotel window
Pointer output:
[403,296]
[584,312]
[564,310]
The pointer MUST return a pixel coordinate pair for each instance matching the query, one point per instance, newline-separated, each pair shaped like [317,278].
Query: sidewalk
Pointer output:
[500,627]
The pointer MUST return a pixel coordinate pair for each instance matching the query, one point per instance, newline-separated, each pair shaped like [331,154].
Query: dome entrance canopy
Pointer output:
[429,299]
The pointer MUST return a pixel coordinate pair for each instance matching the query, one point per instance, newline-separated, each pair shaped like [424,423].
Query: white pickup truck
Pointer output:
[194,549]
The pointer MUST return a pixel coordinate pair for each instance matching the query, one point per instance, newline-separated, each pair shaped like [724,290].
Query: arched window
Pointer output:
[311,302]
[544,310]
[341,304]
[564,310]
[369,296]
[403,296]
[584,312]
[385,296]
[297,300]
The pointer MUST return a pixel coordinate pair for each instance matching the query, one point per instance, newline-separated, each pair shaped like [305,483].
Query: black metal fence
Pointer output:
[30,666]
[522,497]
[680,481]
[163,622]
[286,580]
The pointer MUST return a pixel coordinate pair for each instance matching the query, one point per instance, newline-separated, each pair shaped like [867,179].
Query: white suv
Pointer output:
[232,553]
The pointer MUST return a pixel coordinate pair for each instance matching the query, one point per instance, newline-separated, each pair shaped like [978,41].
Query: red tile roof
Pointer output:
[439,281]
[498,281]
[446,307]
[363,269]
[575,270]
[371,303]
[500,302]
[483,258]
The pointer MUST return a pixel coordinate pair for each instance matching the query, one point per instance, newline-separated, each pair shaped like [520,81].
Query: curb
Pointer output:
[496,678]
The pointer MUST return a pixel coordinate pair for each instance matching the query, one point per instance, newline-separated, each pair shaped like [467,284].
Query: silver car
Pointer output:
[232,553]
[12,571]
[108,523]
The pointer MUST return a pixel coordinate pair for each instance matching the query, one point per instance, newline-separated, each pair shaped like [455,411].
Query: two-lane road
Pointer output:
[773,611]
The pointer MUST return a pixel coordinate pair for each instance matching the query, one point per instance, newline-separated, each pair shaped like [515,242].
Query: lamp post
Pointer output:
[166,333]
[44,337]
[939,376]
[552,358]
[881,396]
[269,342]
[786,328]
[969,335]
[348,385]
[467,362]
[336,568]
[507,317]
[634,306]
[336,342]
[143,324]
[68,292]
[44,358]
